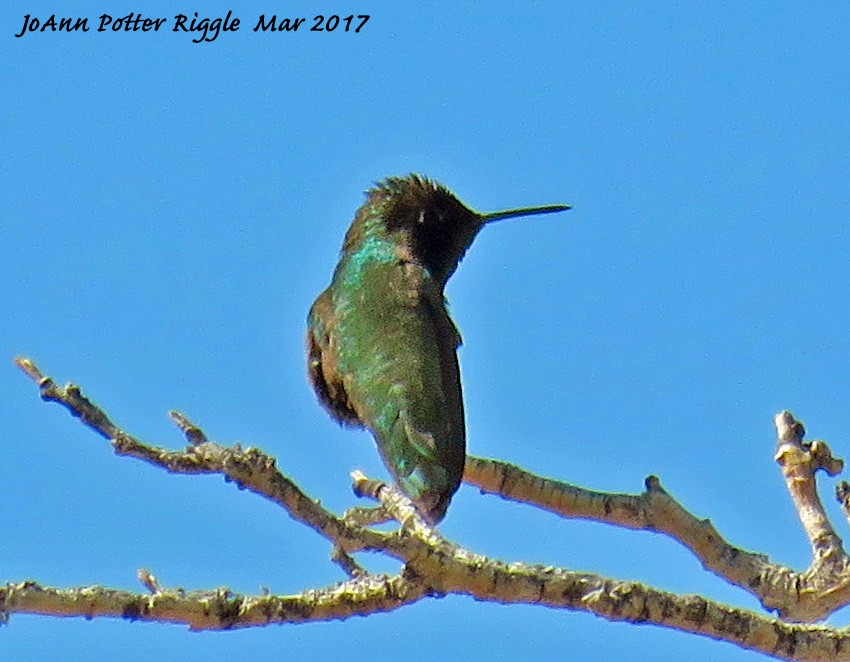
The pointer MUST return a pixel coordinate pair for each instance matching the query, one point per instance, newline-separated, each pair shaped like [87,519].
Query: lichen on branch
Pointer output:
[435,566]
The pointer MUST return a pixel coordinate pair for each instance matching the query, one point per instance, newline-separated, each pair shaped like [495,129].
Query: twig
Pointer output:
[397,505]
[349,566]
[194,434]
[799,461]
[842,495]
[148,580]
[218,609]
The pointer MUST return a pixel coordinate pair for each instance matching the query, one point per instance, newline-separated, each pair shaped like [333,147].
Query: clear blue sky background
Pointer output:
[170,210]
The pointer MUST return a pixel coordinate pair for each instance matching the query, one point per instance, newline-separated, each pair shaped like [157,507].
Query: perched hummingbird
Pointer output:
[381,347]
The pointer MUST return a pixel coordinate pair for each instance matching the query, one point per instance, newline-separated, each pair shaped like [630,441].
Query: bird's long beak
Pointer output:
[522,211]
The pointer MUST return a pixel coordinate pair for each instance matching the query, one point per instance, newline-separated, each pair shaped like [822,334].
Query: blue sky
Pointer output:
[170,210]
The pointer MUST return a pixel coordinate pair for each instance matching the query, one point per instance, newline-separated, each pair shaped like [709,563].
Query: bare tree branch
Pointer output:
[434,566]
[218,609]
[797,596]
[799,461]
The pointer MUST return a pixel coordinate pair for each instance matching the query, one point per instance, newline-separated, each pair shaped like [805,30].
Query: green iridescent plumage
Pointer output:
[381,345]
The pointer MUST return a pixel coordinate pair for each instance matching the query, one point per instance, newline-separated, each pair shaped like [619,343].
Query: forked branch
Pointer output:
[435,566]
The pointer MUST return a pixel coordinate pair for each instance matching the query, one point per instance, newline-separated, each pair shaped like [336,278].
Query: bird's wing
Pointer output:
[447,339]
[322,369]
[418,417]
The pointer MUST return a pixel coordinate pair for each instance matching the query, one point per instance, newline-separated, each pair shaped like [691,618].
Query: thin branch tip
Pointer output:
[799,461]
[30,369]
[824,459]
[347,563]
[363,486]
[194,435]
[148,580]
[788,428]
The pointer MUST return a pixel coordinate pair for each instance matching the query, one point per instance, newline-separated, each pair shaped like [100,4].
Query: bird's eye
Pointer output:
[428,217]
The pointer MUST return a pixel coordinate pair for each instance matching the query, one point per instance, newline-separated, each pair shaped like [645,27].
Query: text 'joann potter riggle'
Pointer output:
[208,28]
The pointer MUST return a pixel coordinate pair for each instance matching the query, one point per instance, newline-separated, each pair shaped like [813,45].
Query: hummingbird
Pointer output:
[381,346]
